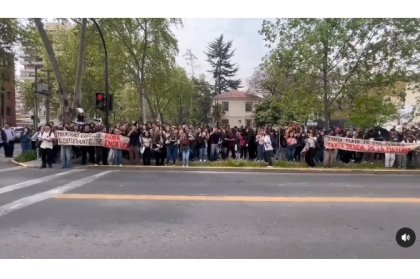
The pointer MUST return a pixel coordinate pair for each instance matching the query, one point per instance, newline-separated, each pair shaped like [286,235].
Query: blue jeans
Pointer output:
[117,157]
[26,146]
[203,153]
[214,152]
[185,156]
[172,153]
[319,156]
[66,156]
[291,153]
[260,152]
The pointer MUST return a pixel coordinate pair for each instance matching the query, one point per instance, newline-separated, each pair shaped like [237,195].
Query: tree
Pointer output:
[149,45]
[217,113]
[219,54]
[202,97]
[372,110]
[344,58]
[67,109]
[268,112]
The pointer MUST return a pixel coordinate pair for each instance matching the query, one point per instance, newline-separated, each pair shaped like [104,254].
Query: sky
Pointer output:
[248,44]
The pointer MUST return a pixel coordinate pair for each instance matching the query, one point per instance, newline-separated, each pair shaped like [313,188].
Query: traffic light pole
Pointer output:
[106,75]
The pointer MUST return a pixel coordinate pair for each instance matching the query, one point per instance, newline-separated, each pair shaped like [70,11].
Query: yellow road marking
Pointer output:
[237,198]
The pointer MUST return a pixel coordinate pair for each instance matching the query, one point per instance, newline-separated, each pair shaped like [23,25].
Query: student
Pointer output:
[25,141]
[8,137]
[291,146]
[116,154]
[146,142]
[134,145]
[268,148]
[46,138]
[185,149]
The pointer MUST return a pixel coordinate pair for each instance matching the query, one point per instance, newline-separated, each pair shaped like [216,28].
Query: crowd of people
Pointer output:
[166,145]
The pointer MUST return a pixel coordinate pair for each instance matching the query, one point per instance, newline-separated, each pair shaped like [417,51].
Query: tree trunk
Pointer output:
[77,101]
[142,81]
[325,86]
[62,92]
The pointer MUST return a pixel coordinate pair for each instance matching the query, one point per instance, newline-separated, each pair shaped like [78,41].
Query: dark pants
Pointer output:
[268,155]
[147,156]
[8,149]
[160,157]
[88,150]
[297,153]
[244,150]
[46,157]
[101,155]
[309,157]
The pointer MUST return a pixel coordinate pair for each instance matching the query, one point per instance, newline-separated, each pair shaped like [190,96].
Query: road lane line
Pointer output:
[26,201]
[40,180]
[237,198]
[11,169]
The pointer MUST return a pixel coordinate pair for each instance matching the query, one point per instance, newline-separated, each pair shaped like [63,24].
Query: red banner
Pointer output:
[369,146]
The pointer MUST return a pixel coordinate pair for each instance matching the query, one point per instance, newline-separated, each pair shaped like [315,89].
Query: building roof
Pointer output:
[236,95]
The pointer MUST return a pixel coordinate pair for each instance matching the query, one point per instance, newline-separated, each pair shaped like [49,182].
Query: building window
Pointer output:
[225,106]
[239,121]
[9,95]
[248,122]
[8,112]
[225,122]
[248,107]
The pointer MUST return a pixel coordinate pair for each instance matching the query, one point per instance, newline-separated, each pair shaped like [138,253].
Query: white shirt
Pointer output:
[267,143]
[45,144]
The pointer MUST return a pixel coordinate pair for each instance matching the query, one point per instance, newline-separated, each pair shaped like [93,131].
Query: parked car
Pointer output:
[18,133]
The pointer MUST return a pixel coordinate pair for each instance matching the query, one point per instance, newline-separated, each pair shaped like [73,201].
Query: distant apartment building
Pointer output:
[238,107]
[7,90]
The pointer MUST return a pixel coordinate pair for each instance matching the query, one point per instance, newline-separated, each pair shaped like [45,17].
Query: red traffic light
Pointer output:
[100,97]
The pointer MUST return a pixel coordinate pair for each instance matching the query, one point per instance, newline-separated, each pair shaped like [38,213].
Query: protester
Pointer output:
[309,149]
[134,145]
[268,148]
[25,140]
[146,142]
[8,138]
[185,149]
[46,139]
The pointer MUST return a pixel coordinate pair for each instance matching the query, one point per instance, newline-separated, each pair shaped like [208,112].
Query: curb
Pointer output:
[18,163]
[246,169]
[262,170]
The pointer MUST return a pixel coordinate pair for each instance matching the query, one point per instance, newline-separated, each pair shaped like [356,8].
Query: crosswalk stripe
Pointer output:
[10,169]
[31,182]
[26,201]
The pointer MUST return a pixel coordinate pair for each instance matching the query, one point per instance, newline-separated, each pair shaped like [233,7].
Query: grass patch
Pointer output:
[27,156]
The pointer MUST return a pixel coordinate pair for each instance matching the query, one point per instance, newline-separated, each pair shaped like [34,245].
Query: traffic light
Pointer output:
[100,101]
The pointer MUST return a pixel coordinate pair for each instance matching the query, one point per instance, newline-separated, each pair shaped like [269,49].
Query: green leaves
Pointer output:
[371,110]
[337,60]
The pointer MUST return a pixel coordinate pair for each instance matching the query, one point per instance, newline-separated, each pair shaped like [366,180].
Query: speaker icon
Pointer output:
[405,237]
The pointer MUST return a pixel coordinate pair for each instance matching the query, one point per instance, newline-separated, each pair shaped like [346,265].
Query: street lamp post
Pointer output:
[106,75]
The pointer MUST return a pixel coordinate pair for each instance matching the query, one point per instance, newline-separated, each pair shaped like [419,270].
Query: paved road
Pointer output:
[97,213]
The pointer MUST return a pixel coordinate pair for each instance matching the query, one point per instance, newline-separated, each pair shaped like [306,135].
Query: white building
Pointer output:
[238,107]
